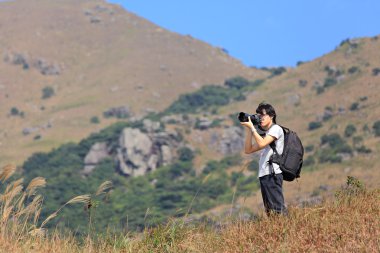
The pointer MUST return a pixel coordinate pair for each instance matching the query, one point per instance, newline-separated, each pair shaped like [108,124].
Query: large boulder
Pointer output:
[140,152]
[230,142]
[97,153]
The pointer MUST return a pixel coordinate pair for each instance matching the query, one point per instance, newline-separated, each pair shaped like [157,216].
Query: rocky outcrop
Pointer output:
[230,142]
[43,66]
[139,150]
[98,152]
[120,112]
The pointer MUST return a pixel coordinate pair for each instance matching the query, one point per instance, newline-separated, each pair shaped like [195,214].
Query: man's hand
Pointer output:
[248,124]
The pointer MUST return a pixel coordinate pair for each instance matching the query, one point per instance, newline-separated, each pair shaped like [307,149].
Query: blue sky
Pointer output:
[268,32]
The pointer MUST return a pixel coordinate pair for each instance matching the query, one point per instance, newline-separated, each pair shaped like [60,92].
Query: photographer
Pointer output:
[270,175]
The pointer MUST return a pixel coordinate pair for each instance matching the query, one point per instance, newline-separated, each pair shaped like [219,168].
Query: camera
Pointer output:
[255,118]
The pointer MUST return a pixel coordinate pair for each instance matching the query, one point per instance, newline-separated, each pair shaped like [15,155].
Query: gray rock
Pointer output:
[46,68]
[151,126]
[294,99]
[97,153]
[29,130]
[232,140]
[203,123]
[95,19]
[120,112]
[135,148]
[166,155]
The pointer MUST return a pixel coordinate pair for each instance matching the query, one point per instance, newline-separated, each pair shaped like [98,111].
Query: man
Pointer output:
[270,174]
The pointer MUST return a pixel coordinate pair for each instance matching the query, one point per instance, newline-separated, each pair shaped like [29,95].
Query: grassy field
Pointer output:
[350,222]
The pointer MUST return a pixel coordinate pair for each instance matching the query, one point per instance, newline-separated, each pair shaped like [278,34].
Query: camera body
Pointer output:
[255,118]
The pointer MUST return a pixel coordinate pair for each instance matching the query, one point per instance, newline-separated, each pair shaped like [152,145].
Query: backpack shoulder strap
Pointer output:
[273,143]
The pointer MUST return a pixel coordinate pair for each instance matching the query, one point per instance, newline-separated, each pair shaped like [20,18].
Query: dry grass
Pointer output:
[350,223]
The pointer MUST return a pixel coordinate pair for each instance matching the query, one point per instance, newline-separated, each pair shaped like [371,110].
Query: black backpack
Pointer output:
[291,160]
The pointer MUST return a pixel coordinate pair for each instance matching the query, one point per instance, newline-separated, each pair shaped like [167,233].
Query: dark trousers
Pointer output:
[271,190]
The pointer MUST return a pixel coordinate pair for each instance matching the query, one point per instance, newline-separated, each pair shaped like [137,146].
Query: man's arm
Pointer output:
[260,141]
[248,147]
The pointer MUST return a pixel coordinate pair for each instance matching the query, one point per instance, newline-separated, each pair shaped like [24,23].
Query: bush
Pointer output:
[309,161]
[207,96]
[302,83]
[333,140]
[253,165]
[185,154]
[14,111]
[320,90]
[277,71]
[357,140]
[47,92]
[235,176]
[299,63]
[329,81]
[376,71]
[376,128]
[349,131]
[236,82]
[309,148]
[95,120]
[353,70]
[354,106]
[363,149]
[326,156]
[314,125]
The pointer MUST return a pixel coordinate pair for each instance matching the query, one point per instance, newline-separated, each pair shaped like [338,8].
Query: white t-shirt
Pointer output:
[264,167]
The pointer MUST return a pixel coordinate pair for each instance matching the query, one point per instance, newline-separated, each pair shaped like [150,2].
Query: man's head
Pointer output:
[267,113]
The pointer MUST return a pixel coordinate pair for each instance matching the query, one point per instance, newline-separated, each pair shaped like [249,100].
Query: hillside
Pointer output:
[188,158]
[177,147]
[86,57]
[349,223]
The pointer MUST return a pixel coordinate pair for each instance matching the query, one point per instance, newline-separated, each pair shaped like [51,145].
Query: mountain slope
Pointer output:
[95,56]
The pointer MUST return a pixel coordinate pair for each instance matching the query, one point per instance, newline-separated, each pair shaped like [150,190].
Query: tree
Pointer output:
[376,128]
[47,92]
[350,130]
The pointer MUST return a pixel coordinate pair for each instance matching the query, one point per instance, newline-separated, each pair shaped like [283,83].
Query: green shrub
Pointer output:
[95,120]
[203,99]
[235,176]
[277,71]
[329,81]
[366,128]
[299,63]
[357,140]
[236,82]
[333,140]
[309,148]
[320,90]
[309,161]
[353,70]
[314,125]
[47,92]
[247,185]
[14,111]
[354,106]
[302,83]
[349,131]
[185,154]
[326,156]
[376,71]
[363,149]
[376,128]
[253,165]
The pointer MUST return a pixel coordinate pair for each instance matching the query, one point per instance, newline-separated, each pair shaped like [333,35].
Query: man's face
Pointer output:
[266,120]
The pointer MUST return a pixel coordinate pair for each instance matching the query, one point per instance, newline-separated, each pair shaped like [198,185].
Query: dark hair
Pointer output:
[268,109]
